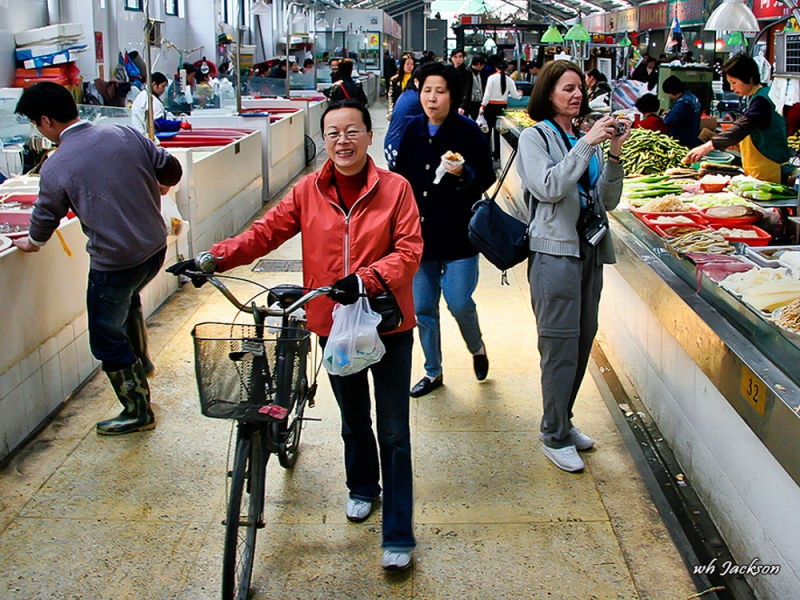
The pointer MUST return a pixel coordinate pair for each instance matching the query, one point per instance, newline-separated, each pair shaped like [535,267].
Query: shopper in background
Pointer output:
[473,92]
[570,187]
[278,71]
[162,120]
[399,82]
[119,208]
[760,132]
[357,222]
[179,99]
[647,72]
[457,61]
[389,70]
[599,90]
[522,74]
[334,65]
[683,119]
[495,100]
[533,71]
[345,88]
[308,65]
[203,92]
[649,106]
[449,261]
[406,108]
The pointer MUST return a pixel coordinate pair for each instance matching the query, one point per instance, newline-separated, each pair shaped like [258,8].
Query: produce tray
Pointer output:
[731,222]
[664,230]
[763,257]
[762,240]
[686,213]
[650,218]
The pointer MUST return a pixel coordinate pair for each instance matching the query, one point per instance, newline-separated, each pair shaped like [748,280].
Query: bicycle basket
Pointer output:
[237,369]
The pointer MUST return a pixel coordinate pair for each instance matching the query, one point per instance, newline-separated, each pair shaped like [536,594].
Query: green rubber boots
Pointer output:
[133,392]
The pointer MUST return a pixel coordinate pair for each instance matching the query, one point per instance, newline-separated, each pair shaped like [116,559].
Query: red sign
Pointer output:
[471,19]
[99,53]
[770,9]
[653,16]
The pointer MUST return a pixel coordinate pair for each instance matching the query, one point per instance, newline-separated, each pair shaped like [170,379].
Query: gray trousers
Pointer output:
[565,293]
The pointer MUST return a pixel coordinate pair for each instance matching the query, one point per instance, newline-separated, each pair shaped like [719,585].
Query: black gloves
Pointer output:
[185,266]
[345,291]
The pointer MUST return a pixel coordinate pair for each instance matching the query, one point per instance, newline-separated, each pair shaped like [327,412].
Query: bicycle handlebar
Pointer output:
[271,312]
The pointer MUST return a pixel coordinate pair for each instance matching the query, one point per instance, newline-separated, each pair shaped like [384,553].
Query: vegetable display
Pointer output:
[648,152]
[753,189]
[701,242]
[520,117]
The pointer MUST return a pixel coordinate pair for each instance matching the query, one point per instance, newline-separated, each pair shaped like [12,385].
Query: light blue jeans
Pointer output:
[457,280]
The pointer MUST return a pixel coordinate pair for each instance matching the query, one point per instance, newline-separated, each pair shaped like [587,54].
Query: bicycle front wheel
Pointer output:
[245,513]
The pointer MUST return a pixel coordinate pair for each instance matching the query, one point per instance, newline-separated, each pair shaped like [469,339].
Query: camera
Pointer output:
[593,228]
[620,128]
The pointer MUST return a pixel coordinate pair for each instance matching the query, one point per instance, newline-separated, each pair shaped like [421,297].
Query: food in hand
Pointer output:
[453,156]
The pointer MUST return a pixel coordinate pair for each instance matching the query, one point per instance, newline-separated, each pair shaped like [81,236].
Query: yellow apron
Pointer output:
[756,164]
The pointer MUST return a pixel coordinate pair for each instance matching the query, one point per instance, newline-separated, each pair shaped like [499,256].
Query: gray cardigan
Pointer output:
[550,174]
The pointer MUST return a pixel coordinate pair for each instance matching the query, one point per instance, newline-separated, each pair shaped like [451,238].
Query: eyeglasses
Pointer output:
[350,134]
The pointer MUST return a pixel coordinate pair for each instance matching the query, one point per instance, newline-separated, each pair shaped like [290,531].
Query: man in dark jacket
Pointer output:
[457,60]
[473,90]
[683,119]
[278,71]
[120,212]
[389,69]
[449,261]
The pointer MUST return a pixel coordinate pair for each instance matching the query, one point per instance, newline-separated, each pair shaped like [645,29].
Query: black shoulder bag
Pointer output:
[385,304]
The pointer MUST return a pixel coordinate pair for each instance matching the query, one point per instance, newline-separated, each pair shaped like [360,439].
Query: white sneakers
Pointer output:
[565,458]
[358,510]
[396,561]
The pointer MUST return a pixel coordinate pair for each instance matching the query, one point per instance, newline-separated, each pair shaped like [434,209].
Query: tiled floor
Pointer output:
[139,517]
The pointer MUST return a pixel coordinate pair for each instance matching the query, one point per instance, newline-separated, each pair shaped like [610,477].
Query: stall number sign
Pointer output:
[754,390]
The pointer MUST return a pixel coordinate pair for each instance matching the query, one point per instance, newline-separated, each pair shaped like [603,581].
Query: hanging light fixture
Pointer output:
[259,7]
[576,33]
[552,36]
[624,42]
[732,15]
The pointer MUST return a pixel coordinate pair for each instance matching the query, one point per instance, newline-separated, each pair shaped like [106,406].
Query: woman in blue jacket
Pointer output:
[449,261]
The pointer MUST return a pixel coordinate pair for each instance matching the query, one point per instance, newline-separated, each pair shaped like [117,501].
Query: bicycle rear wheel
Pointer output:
[245,512]
[292,394]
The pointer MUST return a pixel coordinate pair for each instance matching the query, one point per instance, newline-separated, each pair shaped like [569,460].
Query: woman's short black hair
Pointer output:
[309,62]
[540,107]
[348,103]
[598,76]
[743,68]
[648,104]
[673,85]
[47,99]
[157,78]
[451,78]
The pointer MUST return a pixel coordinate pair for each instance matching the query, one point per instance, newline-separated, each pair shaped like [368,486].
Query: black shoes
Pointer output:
[481,365]
[426,386]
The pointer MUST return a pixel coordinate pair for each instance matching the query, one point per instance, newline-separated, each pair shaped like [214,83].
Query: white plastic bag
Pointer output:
[354,343]
[482,123]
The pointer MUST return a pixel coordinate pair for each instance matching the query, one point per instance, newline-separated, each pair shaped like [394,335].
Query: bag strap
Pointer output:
[344,90]
[381,279]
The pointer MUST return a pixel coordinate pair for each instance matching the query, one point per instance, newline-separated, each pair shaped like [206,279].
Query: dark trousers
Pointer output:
[471,109]
[491,112]
[565,293]
[392,379]
[111,298]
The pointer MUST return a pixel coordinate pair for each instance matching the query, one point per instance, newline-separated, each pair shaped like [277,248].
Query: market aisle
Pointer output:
[139,517]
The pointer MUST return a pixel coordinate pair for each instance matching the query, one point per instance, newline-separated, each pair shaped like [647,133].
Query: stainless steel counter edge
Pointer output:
[727,358]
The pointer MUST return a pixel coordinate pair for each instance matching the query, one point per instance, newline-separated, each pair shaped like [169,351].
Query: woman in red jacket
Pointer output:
[357,221]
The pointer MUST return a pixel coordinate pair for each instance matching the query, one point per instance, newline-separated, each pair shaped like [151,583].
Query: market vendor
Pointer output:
[760,132]
[162,120]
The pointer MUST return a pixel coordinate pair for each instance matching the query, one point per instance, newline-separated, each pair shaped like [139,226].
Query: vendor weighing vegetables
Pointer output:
[760,132]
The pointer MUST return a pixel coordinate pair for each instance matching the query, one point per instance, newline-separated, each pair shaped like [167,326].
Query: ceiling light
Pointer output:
[577,33]
[259,7]
[552,36]
[732,15]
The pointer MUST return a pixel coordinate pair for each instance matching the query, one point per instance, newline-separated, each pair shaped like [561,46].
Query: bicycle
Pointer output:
[257,375]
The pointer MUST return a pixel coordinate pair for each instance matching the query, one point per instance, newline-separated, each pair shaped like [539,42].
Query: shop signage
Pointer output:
[373,40]
[471,19]
[652,16]
[689,12]
[595,23]
[622,20]
[387,24]
[770,9]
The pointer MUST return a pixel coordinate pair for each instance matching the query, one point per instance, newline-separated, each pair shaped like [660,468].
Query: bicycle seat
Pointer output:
[284,295]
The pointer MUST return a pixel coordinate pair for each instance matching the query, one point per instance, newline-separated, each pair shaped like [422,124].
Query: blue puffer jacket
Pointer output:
[445,208]
[406,108]
[683,120]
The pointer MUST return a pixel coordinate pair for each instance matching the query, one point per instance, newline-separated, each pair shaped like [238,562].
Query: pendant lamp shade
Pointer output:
[259,7]
[552,36]
[577,33]
[625,41]
[732,15]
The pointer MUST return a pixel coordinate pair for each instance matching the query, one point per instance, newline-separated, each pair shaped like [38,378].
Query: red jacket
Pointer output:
[654,123]
[382,232]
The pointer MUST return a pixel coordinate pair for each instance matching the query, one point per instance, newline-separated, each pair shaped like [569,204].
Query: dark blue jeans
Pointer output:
[110,299]
[392,378]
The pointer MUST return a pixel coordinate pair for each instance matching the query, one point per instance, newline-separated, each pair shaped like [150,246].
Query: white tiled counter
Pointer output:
[44,355]
[221,189]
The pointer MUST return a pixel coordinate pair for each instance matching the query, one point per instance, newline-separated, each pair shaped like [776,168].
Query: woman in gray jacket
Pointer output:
[568,186]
